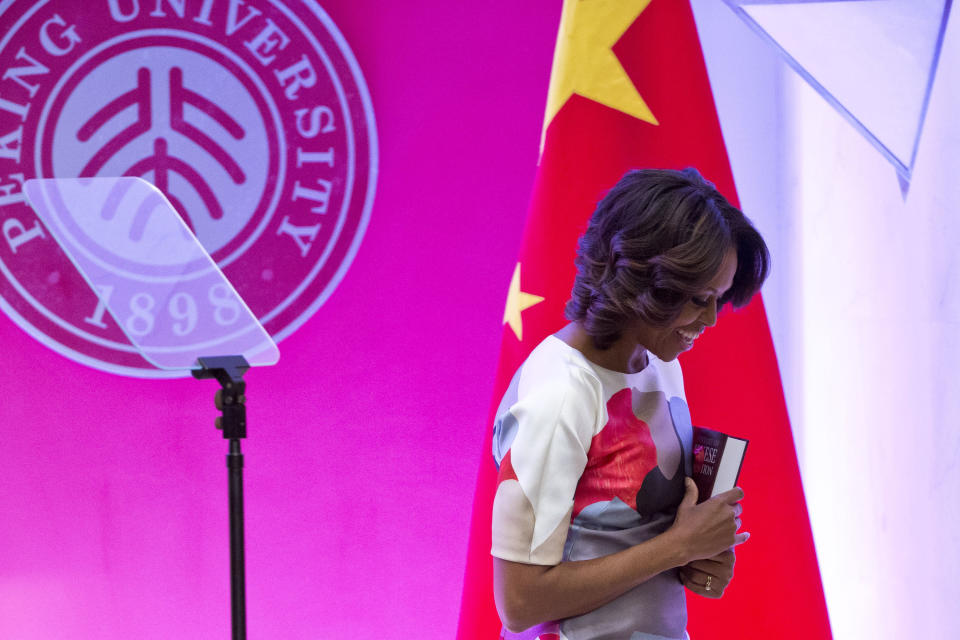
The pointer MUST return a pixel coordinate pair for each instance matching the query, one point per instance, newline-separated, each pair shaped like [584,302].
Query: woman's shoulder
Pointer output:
[554,386]
[555,363]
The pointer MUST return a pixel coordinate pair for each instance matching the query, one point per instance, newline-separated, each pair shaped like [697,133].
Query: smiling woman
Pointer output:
[596,525]
[655,244]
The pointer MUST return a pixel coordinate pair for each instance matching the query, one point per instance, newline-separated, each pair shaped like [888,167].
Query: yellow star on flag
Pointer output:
[517,302]
[584,62]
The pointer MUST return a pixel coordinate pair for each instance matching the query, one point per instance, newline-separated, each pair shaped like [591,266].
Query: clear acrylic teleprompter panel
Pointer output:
[872,60]
[150,271]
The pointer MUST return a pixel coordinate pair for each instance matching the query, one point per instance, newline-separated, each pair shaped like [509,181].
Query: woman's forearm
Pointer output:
[530,594]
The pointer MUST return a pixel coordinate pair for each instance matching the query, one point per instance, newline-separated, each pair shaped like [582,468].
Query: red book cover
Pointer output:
[717,460]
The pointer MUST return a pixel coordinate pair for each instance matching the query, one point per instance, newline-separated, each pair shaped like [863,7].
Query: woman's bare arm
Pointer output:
[528,594]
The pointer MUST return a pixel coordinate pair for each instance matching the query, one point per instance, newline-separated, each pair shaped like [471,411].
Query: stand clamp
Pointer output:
[229,399]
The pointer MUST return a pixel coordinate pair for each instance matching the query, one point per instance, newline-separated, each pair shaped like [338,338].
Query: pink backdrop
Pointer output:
[363,442]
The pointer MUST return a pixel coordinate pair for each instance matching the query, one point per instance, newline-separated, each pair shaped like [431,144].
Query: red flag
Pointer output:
[629,90]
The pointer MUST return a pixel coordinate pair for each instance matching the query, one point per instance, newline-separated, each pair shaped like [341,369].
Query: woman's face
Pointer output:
[701,312]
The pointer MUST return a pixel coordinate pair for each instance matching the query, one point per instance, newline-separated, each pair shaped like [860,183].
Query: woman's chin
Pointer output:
[665,355]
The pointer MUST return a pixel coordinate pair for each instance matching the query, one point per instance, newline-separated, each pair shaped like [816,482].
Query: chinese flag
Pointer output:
[629,89]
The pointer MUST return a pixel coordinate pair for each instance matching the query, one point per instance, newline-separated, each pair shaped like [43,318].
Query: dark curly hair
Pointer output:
[655,241]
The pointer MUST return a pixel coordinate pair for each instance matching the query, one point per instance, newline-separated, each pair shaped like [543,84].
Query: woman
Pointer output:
[596,526]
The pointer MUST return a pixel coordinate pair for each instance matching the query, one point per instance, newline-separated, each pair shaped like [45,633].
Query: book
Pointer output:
[717,458]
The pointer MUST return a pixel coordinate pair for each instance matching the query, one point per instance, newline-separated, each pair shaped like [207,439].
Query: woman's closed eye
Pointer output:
[700,302]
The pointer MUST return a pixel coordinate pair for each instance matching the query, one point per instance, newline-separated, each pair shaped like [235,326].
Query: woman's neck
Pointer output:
[623,355]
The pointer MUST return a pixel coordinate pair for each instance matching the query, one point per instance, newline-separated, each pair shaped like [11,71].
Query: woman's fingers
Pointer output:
[702,583]
[712,525]
[720,566]
[730,497]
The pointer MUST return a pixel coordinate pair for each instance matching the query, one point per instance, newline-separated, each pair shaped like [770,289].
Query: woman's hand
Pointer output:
[710,576]
[705,530]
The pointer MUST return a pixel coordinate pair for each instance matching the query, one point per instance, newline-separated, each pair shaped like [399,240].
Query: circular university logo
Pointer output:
[252,118]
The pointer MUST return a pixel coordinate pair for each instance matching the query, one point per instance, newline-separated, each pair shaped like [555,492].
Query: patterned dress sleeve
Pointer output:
[542,439]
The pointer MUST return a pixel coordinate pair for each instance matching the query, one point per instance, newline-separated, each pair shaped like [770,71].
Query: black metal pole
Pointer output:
[238,605]
[230,399]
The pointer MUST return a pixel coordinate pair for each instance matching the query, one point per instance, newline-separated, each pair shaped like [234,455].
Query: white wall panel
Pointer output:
[864,307]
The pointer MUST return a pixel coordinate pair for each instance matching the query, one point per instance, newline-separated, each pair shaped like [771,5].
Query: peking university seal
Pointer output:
[251,116]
